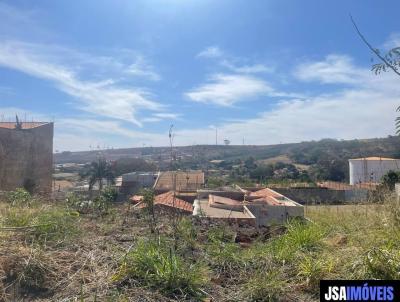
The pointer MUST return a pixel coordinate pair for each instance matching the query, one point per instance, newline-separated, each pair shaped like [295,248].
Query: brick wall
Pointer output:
[26,158]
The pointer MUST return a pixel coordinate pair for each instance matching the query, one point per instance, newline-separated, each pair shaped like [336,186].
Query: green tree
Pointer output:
[99,171]
[390,179]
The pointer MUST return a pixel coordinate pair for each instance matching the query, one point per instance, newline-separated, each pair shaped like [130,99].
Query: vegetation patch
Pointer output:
[156,265]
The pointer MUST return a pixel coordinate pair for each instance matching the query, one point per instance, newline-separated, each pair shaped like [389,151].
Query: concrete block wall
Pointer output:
[323,196]
[26,158]
[267,215]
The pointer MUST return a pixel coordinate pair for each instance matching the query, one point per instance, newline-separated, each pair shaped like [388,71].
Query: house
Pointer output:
[131,183]
[263,207]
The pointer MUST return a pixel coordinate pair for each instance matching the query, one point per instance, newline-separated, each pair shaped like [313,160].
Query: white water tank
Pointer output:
[371,169]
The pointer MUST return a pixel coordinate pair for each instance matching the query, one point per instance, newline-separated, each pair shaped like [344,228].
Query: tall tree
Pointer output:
[99,171]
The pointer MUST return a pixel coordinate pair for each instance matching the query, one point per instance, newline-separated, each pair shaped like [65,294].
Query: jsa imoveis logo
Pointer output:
[359,290]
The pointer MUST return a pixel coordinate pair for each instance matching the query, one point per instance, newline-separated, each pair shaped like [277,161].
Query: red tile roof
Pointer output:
[167,199]
[270,197]
[265,193]
[25,125]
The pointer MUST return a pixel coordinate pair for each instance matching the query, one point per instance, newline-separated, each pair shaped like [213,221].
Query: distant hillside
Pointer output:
[306,153]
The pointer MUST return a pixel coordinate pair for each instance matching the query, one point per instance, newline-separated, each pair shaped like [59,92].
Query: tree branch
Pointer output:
[373,49]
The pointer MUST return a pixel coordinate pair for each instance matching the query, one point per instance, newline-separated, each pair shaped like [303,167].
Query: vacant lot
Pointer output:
[71,251]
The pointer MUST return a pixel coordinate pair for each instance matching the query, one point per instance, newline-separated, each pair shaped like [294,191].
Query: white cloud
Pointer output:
[167,115]
[365,109]
[334,69]
[255,68]
[102,97]
[143,69]
[227,89]
[347,115]
[392,42]
[158,117]
[211,52]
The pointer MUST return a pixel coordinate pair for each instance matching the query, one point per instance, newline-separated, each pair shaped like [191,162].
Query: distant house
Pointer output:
[179,181]
[131,183]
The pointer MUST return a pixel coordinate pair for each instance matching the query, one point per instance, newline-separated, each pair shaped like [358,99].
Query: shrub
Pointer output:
[19,197]
[312,269]
[41,225]
[186,233]
[55,225]
[159,267]
[220,234]
[99,205]
[110,194]
[300,237]
[382,263]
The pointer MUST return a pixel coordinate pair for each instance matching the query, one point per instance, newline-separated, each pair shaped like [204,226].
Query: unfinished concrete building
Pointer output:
[263,207]
[26,156]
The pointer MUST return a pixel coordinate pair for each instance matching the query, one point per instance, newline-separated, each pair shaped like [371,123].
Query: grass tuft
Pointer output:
[157,266]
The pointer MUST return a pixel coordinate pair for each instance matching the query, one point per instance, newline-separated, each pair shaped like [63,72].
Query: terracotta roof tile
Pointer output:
[167,199]
[25,125]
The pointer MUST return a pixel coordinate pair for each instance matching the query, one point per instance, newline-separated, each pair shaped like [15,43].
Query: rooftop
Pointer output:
[25,125]
[271,197]
[373,158]
[205,209]
[224,203]
[190,180]
[166,199]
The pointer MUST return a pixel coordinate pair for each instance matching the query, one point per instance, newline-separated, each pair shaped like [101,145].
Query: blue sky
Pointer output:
[119,73]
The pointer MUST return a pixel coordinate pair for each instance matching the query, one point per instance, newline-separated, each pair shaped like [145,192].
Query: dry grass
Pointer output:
[342,242]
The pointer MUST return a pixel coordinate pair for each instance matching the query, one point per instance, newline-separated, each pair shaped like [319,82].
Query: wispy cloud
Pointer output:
[102,97]
[211,52]
[142,68]
[333,69]
[228,89]
[157,117]
[255,68]
[364,109]
[393,41]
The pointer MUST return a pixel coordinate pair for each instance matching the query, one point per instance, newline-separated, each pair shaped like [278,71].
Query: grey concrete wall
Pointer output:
[26,158]
[267,215]
[323,196]
[313,195]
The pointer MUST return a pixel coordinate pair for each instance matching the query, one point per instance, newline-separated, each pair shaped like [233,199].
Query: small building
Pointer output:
[371,169]
[270,207]
[260,208]
[132,182]
[26,156]
[179,181]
